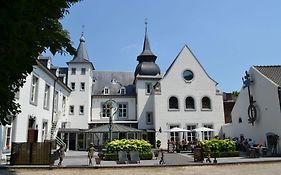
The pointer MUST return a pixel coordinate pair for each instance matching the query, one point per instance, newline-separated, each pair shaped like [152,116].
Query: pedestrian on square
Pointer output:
[91,151]
[61,152]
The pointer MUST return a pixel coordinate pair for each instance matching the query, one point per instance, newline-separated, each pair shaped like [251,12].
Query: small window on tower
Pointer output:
[106,91]
[148,87]
[73,71]
[83,71]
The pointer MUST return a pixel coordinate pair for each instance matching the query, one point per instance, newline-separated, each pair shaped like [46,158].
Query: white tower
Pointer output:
[80,73]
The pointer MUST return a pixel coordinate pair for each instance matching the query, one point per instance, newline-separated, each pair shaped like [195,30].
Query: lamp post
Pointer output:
[112,105]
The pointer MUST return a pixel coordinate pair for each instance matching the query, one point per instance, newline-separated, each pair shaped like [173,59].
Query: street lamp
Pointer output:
[112,105]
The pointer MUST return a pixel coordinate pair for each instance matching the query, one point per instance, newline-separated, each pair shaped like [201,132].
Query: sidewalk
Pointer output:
[75,159]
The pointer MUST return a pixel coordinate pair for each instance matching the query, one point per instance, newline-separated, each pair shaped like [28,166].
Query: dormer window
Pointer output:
[106,91]
[113,81]
[123,91]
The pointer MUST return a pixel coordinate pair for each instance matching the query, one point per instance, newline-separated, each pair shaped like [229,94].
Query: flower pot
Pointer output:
[98,160]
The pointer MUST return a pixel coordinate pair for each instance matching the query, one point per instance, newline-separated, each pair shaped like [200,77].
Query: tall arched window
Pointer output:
[206,103]
[189,103]
[173,103]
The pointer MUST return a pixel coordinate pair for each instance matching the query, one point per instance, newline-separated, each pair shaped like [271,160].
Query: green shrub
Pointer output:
[218,145]
[141,146]
[146,156]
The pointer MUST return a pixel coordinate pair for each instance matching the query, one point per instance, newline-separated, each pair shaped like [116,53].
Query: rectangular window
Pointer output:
[147,88]
[81,110]
[174,135]
[73,71]
[8,138]
[56,101]
[105,110]
[83,71]
[73,86]
[34,90]
[82,86]
[208,134]
[44,130]
[122,110]
[191,136]
[63,124]
[63,105]
[149,118]
[71,109]
[46,97]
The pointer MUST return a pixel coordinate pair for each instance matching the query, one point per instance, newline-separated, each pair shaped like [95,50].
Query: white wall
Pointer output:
[20,124]
[145,102]
[202,85]
[97,108]
[79,97]
[265,94]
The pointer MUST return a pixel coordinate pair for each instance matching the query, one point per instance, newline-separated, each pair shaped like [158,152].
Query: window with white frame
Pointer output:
[73,71]
[122,110]
[73,86]
[82,86]
[106,91]
[208,134]
[206,103]
[34,90]
[8,134]
[122,90]
[71,109]
[191,136]
[63,105]
[46,97]
[81,110]
[56,101]
[44,130]
[149,118]
[174,135]
[105,110]
[173,103]
[83,71]
[148,87]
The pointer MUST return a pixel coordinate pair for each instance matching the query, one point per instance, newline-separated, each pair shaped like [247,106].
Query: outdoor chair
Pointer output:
[122,157]
[134,157]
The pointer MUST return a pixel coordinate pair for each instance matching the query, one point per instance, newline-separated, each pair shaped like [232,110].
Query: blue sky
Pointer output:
[227,37]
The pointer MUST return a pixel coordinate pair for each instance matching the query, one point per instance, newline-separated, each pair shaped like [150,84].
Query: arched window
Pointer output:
[206,103]
[189,103]
[173,103]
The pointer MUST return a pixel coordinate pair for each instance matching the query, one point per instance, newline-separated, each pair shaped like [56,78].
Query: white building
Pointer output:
[265,89]
[185,96]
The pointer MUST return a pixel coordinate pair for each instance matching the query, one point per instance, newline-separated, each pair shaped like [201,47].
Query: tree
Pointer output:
[28,28]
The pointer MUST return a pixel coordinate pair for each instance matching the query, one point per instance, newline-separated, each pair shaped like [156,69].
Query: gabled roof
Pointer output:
[104,79]
[271,72]
[186,47]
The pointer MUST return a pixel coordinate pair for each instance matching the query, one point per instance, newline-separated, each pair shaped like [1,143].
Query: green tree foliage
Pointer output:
[28,28]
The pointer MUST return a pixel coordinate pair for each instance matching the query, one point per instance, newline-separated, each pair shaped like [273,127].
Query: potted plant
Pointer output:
[158,144]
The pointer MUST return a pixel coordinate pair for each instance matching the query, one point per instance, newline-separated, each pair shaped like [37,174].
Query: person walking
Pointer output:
[91,151]
[61,152]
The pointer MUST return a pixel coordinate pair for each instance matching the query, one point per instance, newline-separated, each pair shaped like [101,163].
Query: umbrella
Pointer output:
[176,129]
[202,129]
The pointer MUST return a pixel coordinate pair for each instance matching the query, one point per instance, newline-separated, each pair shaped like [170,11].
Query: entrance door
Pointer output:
[72,141]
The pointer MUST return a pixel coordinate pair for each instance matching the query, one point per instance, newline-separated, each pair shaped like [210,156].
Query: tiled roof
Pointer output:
[271,72]
[104,79]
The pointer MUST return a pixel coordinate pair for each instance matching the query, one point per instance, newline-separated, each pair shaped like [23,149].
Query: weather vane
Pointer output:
[145,22]
[83,28]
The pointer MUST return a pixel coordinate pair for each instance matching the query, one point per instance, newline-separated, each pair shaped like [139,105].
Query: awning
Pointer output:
[115,128]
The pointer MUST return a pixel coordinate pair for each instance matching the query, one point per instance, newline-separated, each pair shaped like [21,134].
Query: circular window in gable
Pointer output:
[187,75]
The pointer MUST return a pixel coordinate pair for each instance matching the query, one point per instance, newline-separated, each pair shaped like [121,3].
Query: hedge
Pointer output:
[114,156]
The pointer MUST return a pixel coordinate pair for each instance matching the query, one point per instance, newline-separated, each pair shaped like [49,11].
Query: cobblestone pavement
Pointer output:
[233,169]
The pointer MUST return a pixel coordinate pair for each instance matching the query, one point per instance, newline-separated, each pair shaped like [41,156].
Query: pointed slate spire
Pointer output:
[146,54]
[147,65]
[82,54]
